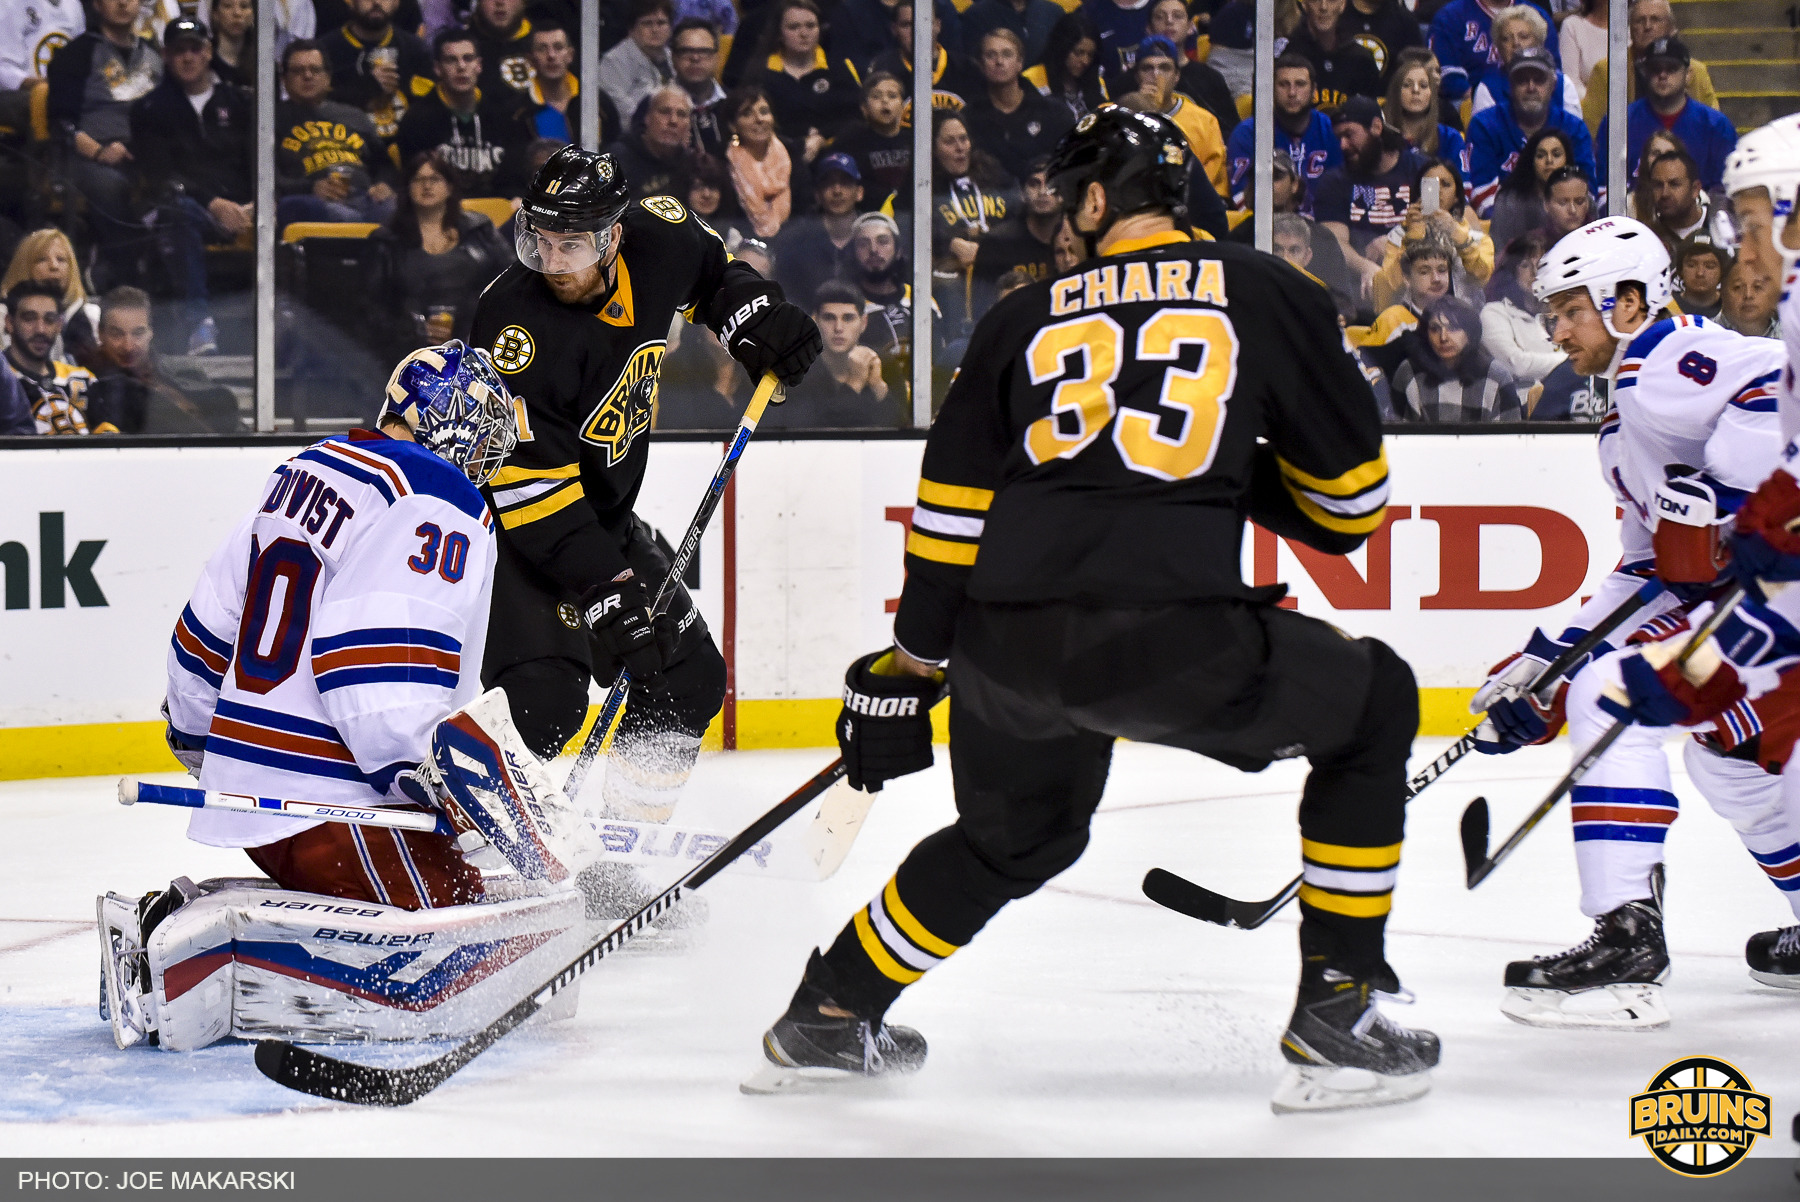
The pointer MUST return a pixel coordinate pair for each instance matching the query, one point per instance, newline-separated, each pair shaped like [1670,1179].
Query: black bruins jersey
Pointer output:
[585,379]
[1101,443]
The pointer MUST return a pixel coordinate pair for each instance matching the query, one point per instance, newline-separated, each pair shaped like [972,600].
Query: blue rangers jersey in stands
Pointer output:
[336,626]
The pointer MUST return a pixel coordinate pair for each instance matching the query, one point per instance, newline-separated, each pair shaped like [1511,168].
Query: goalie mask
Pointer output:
[456,406]
[566,221]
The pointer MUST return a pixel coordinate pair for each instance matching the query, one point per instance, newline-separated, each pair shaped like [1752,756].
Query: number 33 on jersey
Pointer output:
[333,629]
[1112,417]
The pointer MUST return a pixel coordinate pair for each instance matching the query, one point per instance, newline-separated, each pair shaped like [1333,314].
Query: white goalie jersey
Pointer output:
[1688,391]
[332,631]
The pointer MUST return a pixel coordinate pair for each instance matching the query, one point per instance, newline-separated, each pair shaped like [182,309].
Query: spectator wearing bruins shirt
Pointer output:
[55,392]
[812,96]
[481,135]
[376,67]
[1027,245]
[329,162]
[503,36]
[578,328]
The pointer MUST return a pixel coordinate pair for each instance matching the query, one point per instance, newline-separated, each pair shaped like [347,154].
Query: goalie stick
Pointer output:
[811,855]
[369,1085]
[1185,897]
[1475,818]
[767,392]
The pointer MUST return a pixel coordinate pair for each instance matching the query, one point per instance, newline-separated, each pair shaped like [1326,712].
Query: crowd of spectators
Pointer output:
[1425,155]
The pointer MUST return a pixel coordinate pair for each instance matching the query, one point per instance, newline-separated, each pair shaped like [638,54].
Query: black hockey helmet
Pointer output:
[573,203]
[1141,159]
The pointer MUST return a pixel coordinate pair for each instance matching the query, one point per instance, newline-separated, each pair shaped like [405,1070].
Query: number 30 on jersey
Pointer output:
[1083,404]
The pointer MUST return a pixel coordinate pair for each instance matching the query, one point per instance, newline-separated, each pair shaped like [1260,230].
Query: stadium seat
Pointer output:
[297,230]
[496,209]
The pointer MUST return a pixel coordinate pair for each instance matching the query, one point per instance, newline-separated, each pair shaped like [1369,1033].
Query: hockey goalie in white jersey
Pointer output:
[1693,429]
[331,652]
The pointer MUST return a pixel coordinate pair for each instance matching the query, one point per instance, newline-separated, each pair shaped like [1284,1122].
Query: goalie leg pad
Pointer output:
[257,962]
[489,783]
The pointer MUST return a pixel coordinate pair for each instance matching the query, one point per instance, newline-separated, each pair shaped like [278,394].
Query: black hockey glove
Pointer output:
[764,332]
[619,615]
[884,729]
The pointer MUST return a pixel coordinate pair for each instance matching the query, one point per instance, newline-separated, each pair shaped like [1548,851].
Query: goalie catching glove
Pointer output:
[1661,691]
[884,729]
[764,331]
[1515,716]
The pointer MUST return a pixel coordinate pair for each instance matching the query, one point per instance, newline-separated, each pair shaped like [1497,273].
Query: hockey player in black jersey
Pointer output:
[578,327]
[1074,556]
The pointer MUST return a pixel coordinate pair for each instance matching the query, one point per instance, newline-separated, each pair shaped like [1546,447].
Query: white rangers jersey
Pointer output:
[1692,392]
[1788,310]
[333,630]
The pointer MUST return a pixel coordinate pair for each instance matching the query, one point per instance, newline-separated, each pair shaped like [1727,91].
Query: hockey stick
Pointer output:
[1185,897]
[1475,817]
[769,390]
[811,855]
[133,791]
[369,1085]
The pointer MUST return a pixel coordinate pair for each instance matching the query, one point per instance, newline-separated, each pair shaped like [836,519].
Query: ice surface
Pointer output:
[1084,1020]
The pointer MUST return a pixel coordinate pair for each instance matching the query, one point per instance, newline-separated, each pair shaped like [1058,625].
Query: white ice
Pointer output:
[1083,1020]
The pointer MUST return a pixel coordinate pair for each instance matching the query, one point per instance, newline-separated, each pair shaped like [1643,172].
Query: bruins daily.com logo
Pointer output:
[629,404]
[1699,1116]
[513,349]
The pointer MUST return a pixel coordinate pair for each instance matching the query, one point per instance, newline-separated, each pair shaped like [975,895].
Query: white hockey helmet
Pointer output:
[1769,157]
[1600,256]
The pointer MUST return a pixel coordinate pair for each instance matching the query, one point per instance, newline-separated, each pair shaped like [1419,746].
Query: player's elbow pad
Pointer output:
[1273,507]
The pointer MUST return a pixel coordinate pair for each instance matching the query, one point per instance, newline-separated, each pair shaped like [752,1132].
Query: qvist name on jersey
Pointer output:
[332,631]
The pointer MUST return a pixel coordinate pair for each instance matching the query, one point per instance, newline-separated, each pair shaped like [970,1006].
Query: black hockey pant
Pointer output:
[540,652]
[1039,693]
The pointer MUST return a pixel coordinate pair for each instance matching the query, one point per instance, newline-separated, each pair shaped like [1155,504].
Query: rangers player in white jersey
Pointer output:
[1693,429]
[1762,177]
[331,652]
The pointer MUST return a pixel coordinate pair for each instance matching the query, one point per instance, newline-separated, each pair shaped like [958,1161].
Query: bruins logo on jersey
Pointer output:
[1375,46]
[666,207]
[626,411]
[513,349]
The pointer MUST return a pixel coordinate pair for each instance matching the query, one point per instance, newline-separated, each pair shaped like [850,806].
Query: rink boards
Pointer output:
[1486,535]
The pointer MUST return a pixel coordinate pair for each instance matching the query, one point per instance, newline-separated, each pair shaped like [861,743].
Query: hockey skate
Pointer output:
[125,925]
[819,1043]
[1774,957]
[1343,1052]
[1612,980]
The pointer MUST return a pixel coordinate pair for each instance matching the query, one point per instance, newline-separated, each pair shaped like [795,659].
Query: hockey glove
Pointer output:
[1688,543]
[1515,718]
[188,750]
[884,730]
[619,615]
[1764,547]
[764,332]
[1661,692]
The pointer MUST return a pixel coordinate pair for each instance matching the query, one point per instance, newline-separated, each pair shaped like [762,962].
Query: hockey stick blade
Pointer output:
[309,1072]
[1475,837]
[1184,897]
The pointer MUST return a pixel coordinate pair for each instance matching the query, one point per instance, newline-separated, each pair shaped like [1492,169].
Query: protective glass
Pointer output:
[559,252]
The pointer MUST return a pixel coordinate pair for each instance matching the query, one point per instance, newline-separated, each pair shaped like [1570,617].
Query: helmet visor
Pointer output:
[559,252]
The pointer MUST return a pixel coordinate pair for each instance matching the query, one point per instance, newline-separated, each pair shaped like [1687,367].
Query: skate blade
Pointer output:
[1308,1088]
[1776,980]
[772,1078]
[1635,1007]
